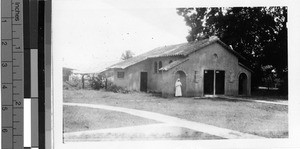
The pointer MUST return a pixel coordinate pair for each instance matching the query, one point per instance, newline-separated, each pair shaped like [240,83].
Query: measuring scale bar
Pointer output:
[12,73]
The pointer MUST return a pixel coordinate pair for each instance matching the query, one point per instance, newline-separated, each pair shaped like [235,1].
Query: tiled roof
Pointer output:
[173,50]
[173,64]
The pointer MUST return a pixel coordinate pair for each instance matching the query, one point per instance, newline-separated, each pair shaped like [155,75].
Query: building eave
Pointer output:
[173,64]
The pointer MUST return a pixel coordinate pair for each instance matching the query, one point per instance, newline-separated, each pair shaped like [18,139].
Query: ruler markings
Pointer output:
[12,88]
[11,31]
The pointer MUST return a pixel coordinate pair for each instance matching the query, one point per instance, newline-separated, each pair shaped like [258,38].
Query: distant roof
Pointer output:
[66,68]
[183,49]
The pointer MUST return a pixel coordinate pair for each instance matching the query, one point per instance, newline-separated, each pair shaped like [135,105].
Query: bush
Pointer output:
[97,83]
[116,89]
[72,84]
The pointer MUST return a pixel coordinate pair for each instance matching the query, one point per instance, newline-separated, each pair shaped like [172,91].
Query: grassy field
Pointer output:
[82,118]
[268,95]
[268,120]
[175,133]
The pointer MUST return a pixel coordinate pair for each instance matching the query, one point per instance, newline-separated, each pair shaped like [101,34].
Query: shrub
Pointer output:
[74,83]
[97,83]
[66,86]
[116,89]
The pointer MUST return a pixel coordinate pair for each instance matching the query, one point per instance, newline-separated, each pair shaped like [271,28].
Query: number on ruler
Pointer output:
[4,64]
[4,130]
[4,87]
[3,43]
[4,108]
[18,103]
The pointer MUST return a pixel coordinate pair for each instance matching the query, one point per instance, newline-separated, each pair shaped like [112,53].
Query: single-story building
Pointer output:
[206,67]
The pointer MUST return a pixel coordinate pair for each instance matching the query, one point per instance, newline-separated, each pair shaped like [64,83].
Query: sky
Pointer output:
[93,34]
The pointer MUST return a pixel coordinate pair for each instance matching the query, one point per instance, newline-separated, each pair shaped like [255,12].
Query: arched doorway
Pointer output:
[180,74]
[243,84]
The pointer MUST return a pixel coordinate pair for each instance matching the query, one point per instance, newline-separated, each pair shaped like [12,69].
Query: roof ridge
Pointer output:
[182,49]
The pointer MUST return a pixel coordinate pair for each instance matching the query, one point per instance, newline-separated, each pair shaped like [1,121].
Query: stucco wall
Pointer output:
[155,80]
[249,75]
[212,57]
[131,80]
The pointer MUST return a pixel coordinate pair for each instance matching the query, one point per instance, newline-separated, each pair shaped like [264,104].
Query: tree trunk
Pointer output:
[82,80]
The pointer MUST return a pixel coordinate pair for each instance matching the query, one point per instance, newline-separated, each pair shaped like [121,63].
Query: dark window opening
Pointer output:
[121,74]
[155,67]
[159,65]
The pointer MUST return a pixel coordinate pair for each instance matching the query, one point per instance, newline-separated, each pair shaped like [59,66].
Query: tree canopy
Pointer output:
[127,55]
[257,33]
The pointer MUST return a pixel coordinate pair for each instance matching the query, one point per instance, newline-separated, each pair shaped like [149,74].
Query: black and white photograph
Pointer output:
[145,71]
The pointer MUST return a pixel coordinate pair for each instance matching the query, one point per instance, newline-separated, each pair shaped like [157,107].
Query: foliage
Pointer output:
[257,33]
[269,76]
[97,82]
[73,84]
[116,89]
[127,55]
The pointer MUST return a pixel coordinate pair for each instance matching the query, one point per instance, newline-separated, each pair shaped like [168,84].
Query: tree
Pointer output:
[127,55]
[257,33]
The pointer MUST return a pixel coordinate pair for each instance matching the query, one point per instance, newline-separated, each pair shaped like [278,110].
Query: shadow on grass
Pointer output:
[155,94]
[221,99]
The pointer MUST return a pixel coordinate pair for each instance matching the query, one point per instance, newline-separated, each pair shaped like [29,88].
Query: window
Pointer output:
[121,74]
[155,67]
[159,65]
[170,61]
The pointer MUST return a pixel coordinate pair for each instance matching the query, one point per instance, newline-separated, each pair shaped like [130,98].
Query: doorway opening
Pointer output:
[243,84]
[143,81]
[214,82]
[182,76]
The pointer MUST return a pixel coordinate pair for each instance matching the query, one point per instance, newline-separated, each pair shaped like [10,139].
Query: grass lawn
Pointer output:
[82,118]
[268,120]
[268,95]
[171,133]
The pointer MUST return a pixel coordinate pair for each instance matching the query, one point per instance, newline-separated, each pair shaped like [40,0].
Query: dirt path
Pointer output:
[174,121]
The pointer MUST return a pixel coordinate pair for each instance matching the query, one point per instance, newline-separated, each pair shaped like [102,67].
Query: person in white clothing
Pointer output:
[178,88]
